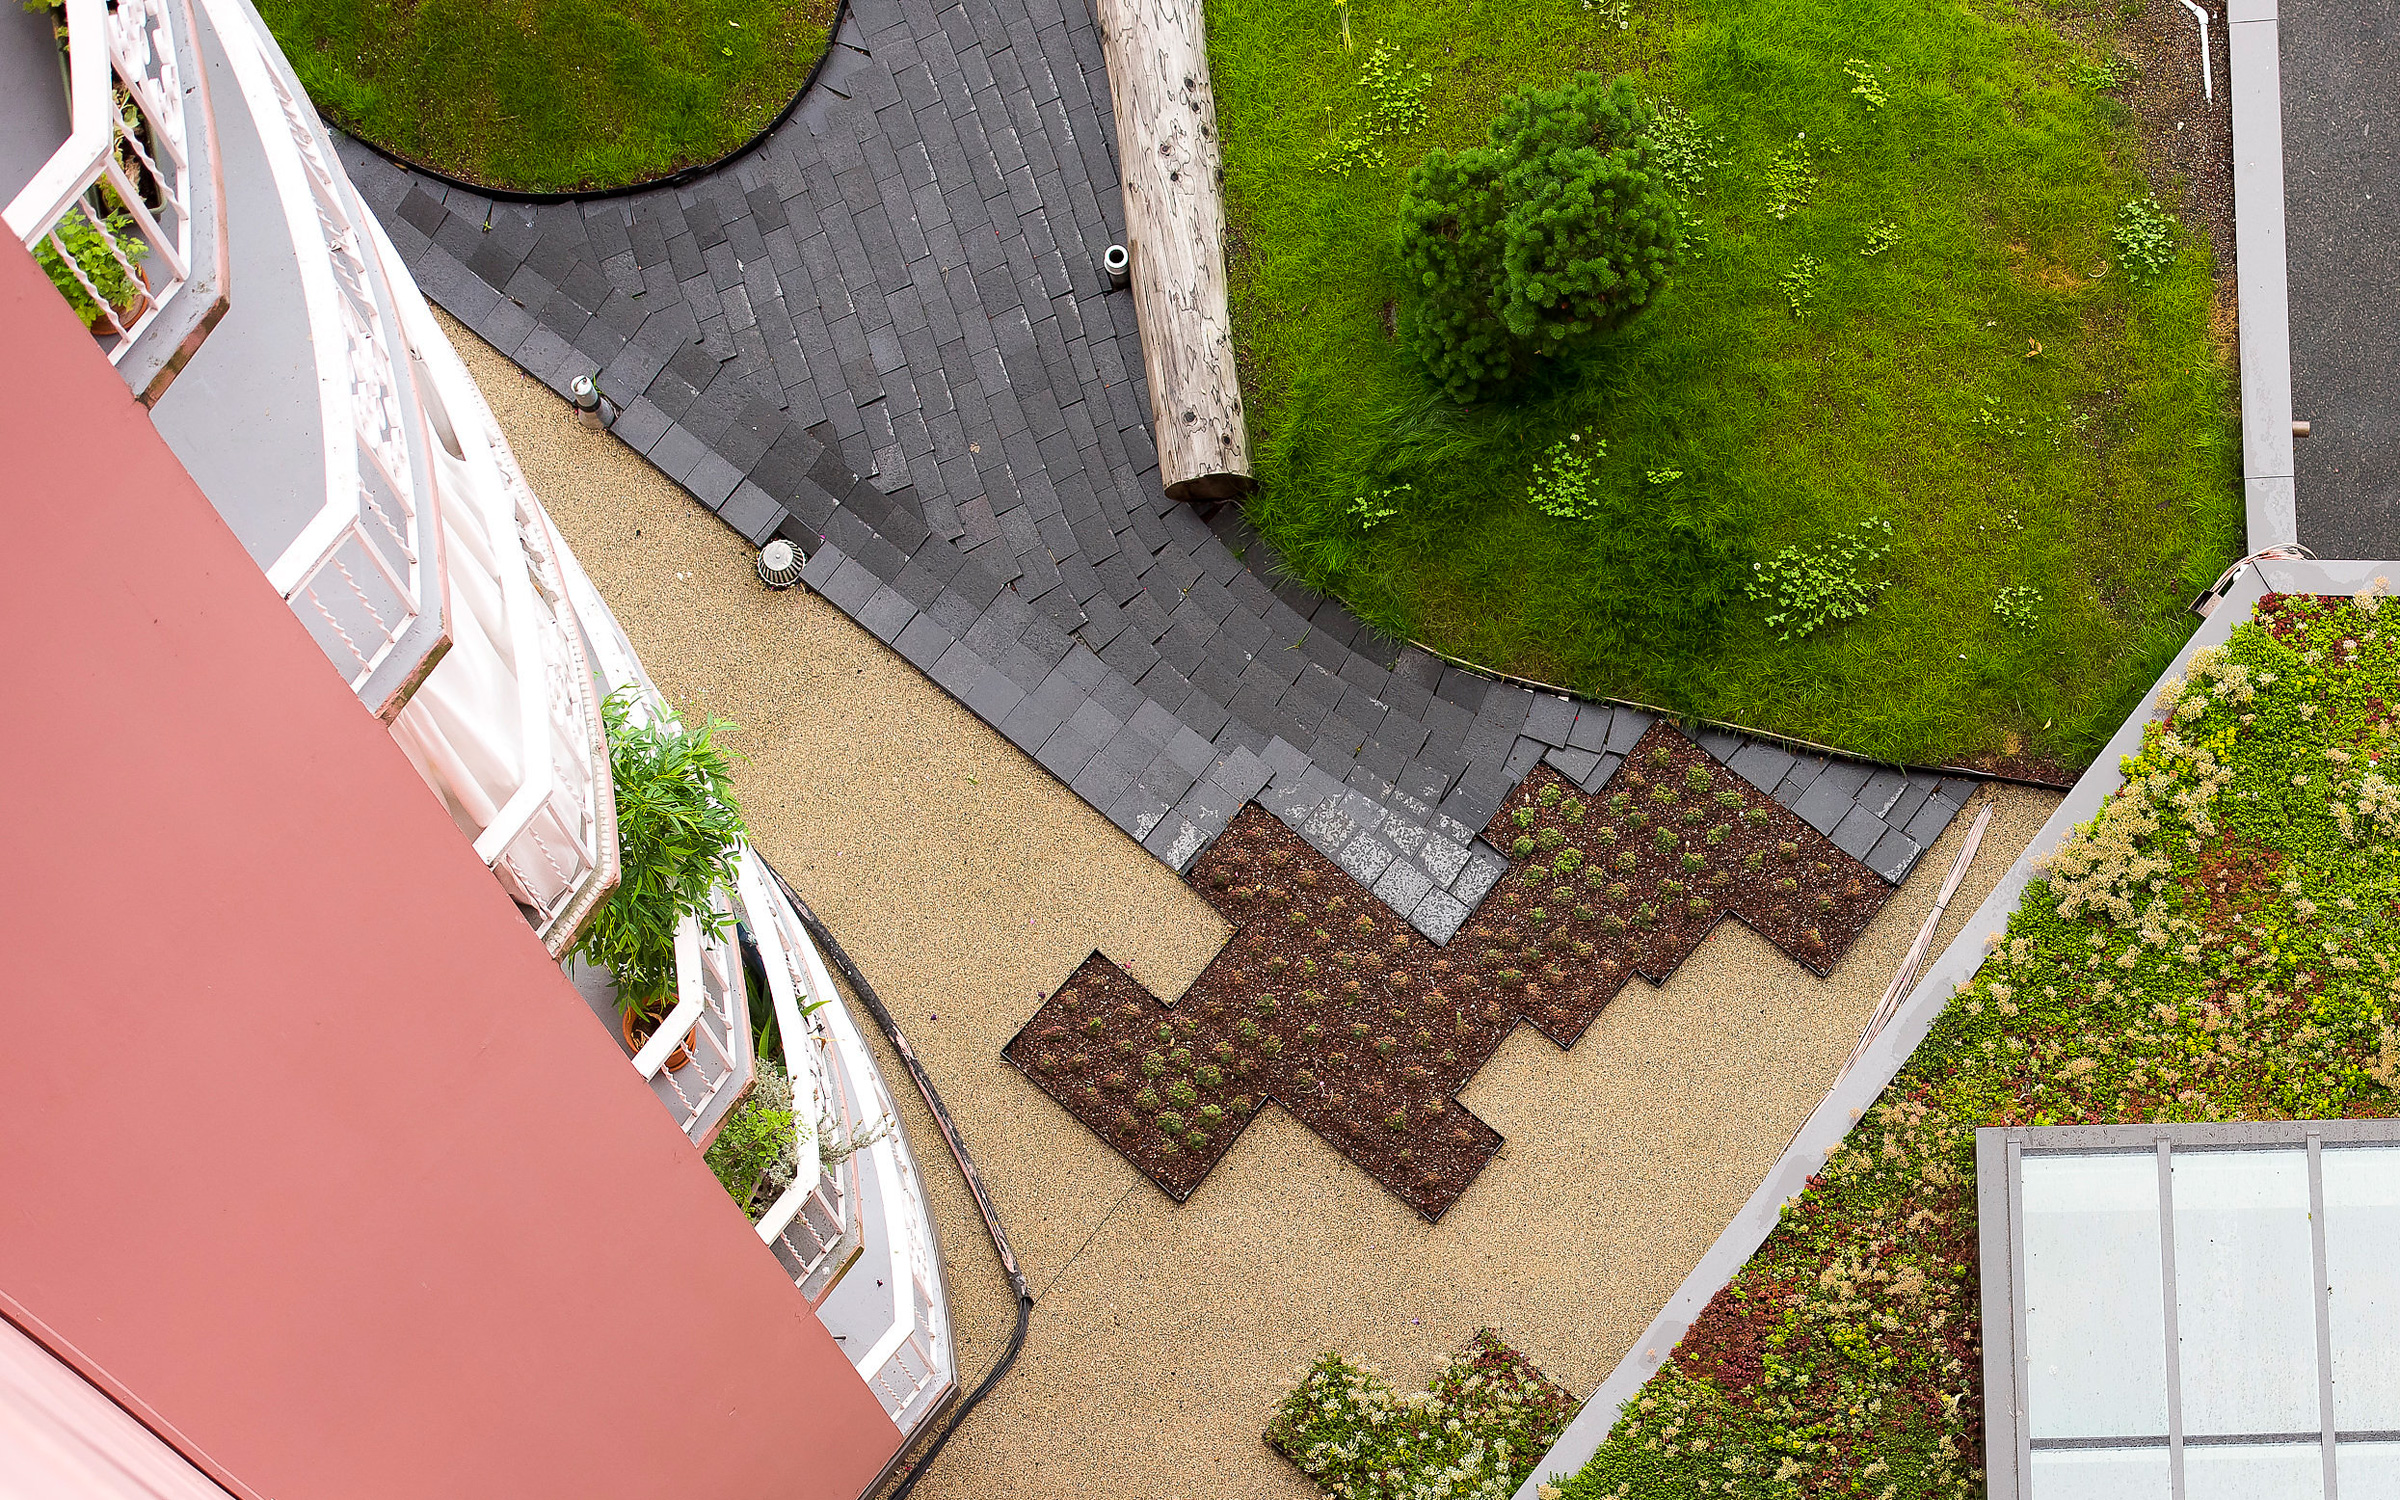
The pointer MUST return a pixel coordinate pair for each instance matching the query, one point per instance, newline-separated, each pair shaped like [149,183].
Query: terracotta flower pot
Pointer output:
[633,1016]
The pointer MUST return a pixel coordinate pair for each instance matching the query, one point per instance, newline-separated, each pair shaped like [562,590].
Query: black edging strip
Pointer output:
[680,177]
[966,1166]
[1677,717]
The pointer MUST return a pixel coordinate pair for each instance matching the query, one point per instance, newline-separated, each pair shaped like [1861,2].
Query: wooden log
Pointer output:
[1157,55]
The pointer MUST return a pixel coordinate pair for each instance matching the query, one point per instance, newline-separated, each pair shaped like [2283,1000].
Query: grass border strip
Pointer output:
[1859,1087]
[680,177]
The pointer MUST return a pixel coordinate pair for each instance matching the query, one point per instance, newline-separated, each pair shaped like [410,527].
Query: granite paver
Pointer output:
[885,336]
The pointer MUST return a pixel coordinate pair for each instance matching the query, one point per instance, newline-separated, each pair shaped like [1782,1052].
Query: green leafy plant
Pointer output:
[1395,107]
[1683,152]
[2018,606]
[1882,235]
[1533,247]
[1811,587]
[1791,178]
[1865,84]
[1371,510]
[1799,284]
[88,252]
[2146,236]
[1564,484]
[757,1152]
[2105,73]
[677,831]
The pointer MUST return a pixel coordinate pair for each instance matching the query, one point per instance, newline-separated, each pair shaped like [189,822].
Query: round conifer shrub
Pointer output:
[1533,246]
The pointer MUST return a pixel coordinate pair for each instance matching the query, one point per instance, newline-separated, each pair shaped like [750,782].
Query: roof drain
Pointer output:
[958,1151]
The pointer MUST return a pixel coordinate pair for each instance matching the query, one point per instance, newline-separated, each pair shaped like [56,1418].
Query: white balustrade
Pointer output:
[507,728]
[121,183]
[814,1227]
[359,574]
[709,1028]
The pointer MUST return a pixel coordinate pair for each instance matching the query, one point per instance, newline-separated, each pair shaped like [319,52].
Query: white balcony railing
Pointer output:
[362,570]
[507,729]
[112,208]
[865,1206]
[709,1028]
[814,1227]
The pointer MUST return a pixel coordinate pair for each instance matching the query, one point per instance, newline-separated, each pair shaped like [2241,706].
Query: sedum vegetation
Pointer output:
[1473,1434]
[2219,943]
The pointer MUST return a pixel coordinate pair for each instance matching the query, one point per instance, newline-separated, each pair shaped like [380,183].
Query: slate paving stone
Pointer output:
[1443,858]
[1931,819]
[1439,916]
[1573,764]
[1483,870]
[1848,777]
[1857,833]
[1823,806]
[1882,790]
[1402,886]
[901,285]
[1551,719]
[1365,858]
[1894,855]
[1626,728]
[1760,764]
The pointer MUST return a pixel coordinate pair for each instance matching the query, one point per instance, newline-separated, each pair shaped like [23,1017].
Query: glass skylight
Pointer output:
[2192,1312]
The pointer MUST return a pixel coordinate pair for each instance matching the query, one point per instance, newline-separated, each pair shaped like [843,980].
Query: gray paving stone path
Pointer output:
[886,336]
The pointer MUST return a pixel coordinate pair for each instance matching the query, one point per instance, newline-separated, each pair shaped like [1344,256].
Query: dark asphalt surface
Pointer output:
[2341,166]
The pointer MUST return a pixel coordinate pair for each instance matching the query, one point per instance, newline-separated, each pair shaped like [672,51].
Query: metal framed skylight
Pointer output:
[2191,1312]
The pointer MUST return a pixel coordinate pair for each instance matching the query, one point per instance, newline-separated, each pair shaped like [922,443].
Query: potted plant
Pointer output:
[677,829]
[86,250]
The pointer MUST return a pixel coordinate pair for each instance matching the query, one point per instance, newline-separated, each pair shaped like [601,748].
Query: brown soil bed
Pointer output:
[1328,1004]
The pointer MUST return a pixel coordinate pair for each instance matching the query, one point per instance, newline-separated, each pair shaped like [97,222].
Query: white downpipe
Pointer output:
[2208,81]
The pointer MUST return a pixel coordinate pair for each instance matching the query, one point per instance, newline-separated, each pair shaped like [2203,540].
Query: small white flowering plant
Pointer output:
[1473,1434]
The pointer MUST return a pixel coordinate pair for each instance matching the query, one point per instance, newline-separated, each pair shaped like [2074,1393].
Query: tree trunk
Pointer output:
[1157,54]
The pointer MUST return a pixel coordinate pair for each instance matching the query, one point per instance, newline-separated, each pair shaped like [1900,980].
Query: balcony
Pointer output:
[108,166]
[863,1207]
[506,728]
[855,1204]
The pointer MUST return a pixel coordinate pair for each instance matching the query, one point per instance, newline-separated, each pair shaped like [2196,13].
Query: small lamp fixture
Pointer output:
[1118,263]
[585,393]
[779,564]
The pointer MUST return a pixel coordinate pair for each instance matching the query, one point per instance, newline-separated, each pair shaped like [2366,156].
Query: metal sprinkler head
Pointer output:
[779,564]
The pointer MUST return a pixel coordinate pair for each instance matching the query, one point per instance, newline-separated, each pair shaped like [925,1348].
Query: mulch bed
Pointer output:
[1328,1004]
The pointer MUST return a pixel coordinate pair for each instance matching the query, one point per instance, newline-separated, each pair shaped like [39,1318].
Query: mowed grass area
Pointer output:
[2102,470]
[556,96]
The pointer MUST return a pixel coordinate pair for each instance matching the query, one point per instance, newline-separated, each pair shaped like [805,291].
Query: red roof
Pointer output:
[307,1151]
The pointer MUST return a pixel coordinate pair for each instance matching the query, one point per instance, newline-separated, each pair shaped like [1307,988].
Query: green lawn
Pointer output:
[566,94]
[2102,471]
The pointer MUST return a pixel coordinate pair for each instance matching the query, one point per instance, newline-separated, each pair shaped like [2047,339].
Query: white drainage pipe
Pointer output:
[2208,79]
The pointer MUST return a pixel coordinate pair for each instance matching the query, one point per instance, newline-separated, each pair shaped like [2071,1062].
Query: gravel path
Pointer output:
[968,883]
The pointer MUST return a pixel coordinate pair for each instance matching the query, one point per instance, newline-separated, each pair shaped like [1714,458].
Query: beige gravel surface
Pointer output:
[968,884]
